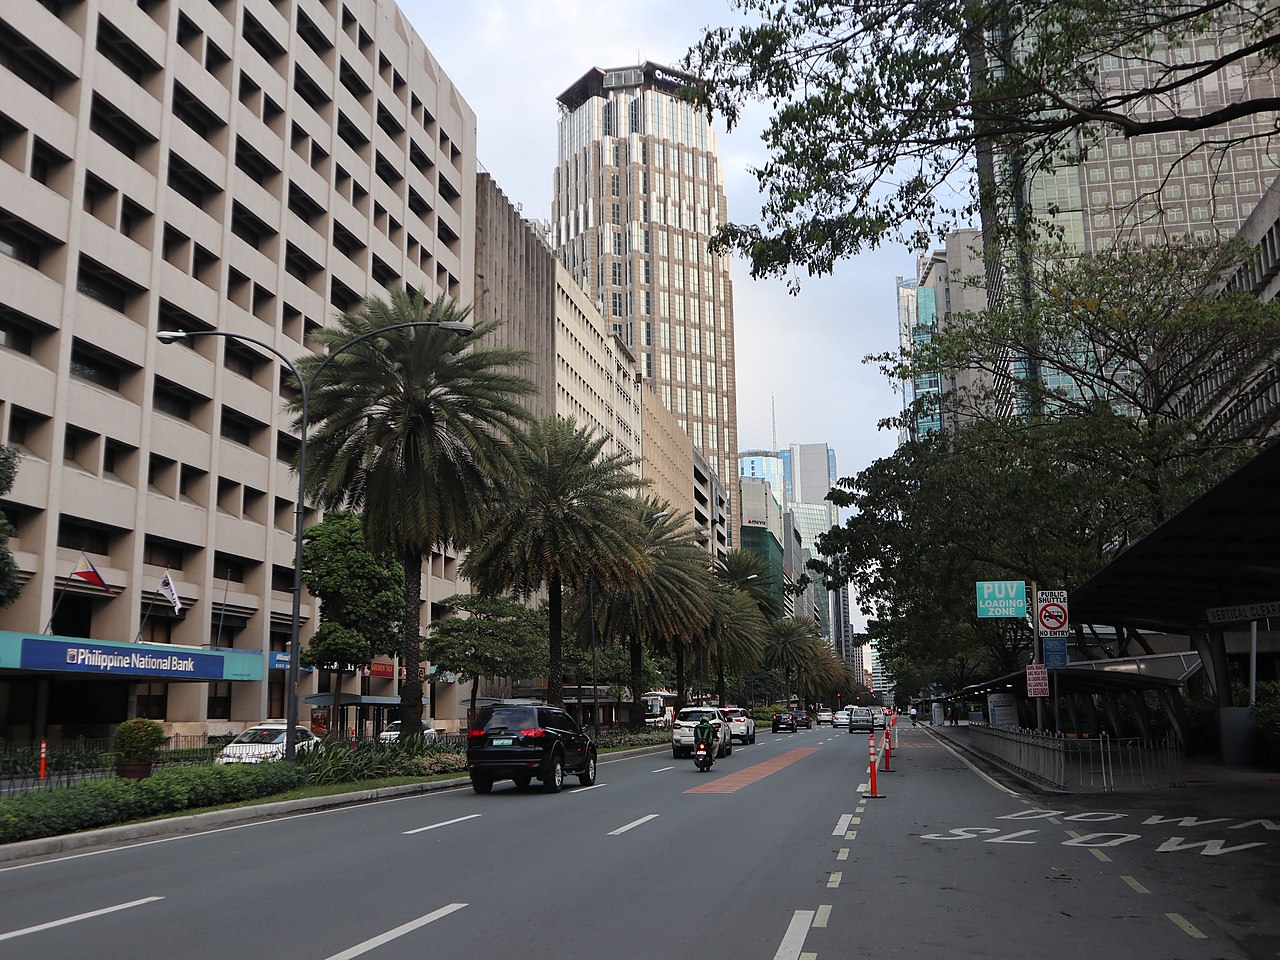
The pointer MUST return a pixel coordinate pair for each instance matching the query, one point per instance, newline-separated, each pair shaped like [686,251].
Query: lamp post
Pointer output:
[295,619]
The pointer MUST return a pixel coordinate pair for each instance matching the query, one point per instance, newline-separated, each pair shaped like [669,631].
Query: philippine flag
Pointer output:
[87,572]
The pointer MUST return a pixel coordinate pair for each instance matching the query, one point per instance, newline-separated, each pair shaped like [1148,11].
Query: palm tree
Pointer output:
[566,522]
[747,571]
[410,427]
[791,642]
[663,603]
[734,639]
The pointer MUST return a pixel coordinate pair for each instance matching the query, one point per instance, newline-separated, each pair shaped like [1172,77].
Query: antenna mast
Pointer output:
[773,417]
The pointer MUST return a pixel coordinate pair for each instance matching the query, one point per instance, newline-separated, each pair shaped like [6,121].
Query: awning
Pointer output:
[350,700]
[112,660]
[1161,670]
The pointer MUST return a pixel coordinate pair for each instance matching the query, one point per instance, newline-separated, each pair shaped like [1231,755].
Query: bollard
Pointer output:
[888,751]
[871,745]
[44,753]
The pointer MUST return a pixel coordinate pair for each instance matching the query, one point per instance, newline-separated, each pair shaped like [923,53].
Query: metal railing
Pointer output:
[87,758]
[1085,764]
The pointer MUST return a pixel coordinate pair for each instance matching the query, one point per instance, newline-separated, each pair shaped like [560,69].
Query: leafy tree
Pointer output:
[413,427]
[361,598]
[886,114]
[496,638]
[9,586]
[563,520]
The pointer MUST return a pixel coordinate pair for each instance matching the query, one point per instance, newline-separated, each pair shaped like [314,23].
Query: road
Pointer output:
[775,853]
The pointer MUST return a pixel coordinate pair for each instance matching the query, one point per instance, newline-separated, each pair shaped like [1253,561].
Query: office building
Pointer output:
[638,192]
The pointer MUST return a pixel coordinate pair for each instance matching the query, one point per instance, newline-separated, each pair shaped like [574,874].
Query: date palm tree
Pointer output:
[411,427]
[791,643]
[747,571]
[565,521]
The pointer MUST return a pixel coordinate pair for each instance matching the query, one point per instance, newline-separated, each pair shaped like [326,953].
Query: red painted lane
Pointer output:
[744,778]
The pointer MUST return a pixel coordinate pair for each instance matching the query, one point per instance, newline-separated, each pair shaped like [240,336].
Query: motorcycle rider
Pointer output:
[704,732]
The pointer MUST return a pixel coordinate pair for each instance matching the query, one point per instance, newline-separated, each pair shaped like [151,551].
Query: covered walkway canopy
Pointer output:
[1222,550]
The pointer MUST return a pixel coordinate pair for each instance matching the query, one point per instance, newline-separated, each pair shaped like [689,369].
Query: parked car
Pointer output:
[265,741]
[392,733]
[802,719]
[823,716]
[784,721]
[860,718]
[741,724]
[521,740]
[682,737]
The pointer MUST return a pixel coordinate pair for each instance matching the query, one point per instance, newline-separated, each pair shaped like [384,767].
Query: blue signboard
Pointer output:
[111,660]
[1055,652]
[1002,598]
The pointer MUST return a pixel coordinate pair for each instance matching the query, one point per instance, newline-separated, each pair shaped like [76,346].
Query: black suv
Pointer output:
[521,741]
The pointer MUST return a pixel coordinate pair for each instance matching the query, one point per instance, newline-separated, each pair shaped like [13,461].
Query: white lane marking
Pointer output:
[1186,926]
[822,916]
[1135,885]
[662,770]
[843,854]
[79,916]
[400,931]
[443,823]
[834,880]
[793,939]
[842,824]
[594,786]
[856,821]
[851,835]
[633,824]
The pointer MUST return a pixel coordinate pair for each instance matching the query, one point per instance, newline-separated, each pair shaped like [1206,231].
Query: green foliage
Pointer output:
[138,740]
[497,637]
[619,739]
[361,595]
[9,587]
[1266,719]
[100,803]
[885,114]
[342,762]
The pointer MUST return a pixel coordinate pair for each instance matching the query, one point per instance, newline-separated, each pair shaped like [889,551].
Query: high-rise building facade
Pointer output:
[638,192]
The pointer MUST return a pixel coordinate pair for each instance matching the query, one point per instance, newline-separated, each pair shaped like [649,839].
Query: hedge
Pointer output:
[99,803]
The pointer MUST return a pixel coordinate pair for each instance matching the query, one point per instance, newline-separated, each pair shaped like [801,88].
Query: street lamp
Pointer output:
[169,336]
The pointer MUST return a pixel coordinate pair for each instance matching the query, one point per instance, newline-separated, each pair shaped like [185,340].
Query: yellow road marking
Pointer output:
[843,854]
[1186,926]
[1137,887]
[822,915]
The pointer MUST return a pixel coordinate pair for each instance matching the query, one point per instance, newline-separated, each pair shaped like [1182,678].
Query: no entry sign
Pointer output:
[1051,613]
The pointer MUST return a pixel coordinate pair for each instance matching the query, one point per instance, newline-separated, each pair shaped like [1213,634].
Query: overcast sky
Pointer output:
[511,58]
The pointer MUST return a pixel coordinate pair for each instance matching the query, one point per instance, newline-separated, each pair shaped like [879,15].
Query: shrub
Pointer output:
[1266,719]
[100,803]
[138,740]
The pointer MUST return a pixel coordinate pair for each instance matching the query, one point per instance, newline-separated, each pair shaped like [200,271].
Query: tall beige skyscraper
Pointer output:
[638,193]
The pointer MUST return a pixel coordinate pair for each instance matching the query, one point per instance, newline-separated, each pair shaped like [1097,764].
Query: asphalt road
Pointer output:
[776,853]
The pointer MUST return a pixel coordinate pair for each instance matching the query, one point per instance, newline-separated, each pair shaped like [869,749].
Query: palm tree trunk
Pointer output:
[555,666]
[680,701]
[411,647]
[637,681]
[720,681]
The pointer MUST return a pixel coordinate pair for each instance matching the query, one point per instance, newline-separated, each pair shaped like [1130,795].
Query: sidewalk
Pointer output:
[1199,773]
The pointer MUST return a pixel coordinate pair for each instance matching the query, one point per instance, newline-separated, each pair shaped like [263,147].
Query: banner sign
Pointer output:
[118,661]
[1002,598]
[1244,612]
[1037,680]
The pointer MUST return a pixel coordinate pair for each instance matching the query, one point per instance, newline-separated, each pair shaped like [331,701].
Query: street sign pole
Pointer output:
[1035,658]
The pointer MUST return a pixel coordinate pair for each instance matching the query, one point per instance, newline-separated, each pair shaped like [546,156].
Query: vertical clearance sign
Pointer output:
[1002,598]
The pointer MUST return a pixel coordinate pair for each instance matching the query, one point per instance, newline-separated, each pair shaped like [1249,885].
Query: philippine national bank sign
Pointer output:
[106,659]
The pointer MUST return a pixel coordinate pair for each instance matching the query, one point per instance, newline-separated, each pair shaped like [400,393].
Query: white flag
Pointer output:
[166,587]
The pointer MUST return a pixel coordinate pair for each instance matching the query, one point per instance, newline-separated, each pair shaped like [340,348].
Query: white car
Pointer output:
[392,733]
[741,725]
[265,741]
[840,718]
[682,736]
[823,716]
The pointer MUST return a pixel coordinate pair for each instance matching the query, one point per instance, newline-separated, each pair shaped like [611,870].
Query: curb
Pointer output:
[179,825]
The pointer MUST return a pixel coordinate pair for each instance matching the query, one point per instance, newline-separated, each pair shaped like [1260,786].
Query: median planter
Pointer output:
[136,745]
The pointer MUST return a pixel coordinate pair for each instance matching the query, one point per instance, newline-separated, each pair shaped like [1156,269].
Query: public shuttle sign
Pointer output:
[1002,598]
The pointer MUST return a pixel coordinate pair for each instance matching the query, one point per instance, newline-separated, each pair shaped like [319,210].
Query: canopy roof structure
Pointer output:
[1221,550]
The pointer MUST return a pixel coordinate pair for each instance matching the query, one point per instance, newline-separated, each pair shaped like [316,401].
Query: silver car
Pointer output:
[861,719]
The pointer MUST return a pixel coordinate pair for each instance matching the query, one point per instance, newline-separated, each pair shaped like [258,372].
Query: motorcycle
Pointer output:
[703,755]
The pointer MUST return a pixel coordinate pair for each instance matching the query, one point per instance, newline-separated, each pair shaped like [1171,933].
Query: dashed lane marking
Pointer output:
[793,939]
[13,934]
[822,915]
[633,824]
[833,881]
[662,770]
[443,823]
[1137,887]
[734,782]
[1100,855]
[842,824]
[851,835]
[843,853]
[374,942]
[1186,926]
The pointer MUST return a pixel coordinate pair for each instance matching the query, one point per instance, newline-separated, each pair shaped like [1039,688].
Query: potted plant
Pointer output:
[136,745]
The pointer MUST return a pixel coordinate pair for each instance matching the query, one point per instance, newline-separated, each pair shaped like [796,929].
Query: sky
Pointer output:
[799,358]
